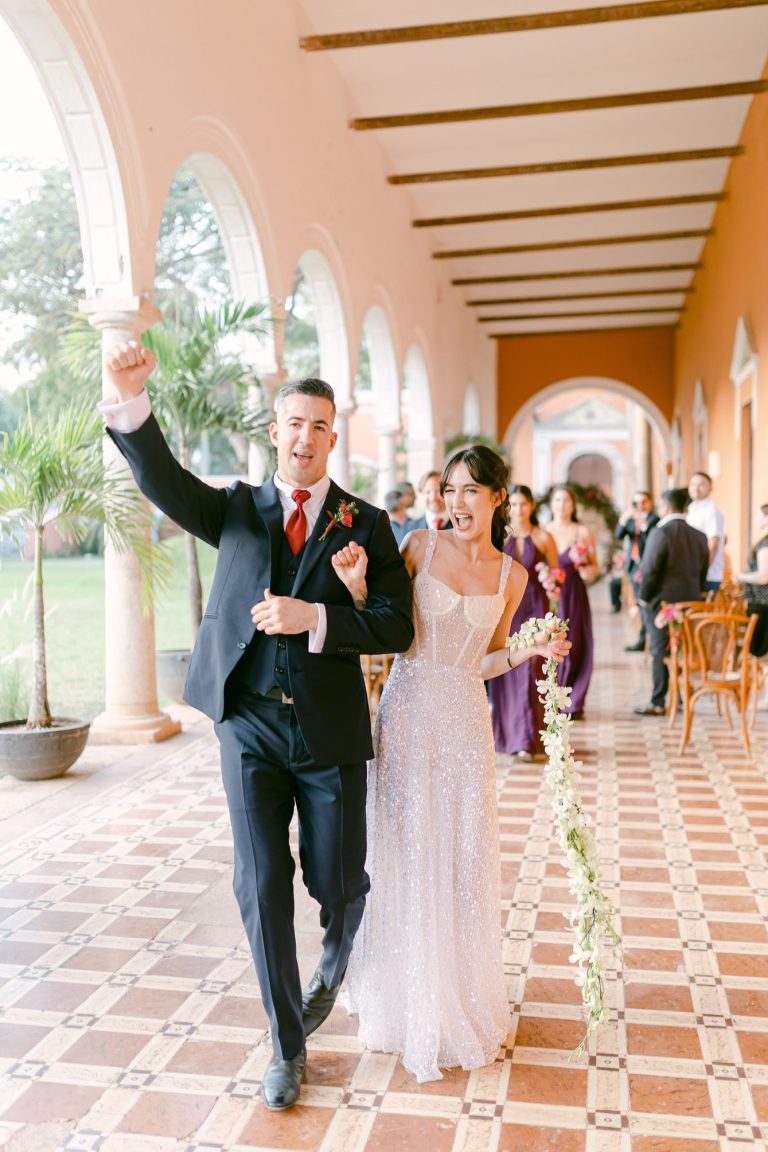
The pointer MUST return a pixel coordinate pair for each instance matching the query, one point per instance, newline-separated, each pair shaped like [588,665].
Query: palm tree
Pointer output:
[53,472]
[202,384]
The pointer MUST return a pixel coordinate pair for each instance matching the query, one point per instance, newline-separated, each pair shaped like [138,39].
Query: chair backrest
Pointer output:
[720,646]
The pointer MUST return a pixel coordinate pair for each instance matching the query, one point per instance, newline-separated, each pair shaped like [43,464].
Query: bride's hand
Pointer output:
[350,564]
[552,646]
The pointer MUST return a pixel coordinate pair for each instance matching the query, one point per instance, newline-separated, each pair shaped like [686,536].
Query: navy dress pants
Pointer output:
[267,771]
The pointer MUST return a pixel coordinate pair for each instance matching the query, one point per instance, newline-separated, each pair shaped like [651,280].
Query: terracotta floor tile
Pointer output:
[331,1068]
[238,1012]
[42,1102]
[113,1049]
[159,1003]
[524,1138]
[16,1040]
[453,1083]
[645,899]
[210,1057]
[715,903]
[738,964]
[191,967]
[541,990]
[100,959]
[22,952]
[653,959]
[674,1144]
[760,1100]
[394,1133]
[669,1095]
[142,927]
[551,922]
[24,890]
[632,873]
[55,996]
[125,871]
[536,1084]
[551,954]
[91,894]
[650,926]
[218,936]
[747,1002]
[54,920]
[658,997]
[168,1114]
[753,1047]
[541,1032]
[721,930]
[301,1128]
[672,1043]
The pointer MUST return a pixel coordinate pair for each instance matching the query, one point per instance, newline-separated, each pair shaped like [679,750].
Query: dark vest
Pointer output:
[264,664]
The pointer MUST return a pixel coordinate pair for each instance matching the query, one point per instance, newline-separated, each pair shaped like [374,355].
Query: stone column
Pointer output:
[421,458]
[338,461]
[387,461]
[131,714]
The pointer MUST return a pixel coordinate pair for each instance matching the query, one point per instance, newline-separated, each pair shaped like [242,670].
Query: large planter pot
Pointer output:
[41,753]
[171,667]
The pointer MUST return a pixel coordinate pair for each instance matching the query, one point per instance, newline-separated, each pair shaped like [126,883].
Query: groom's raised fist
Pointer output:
[128,365]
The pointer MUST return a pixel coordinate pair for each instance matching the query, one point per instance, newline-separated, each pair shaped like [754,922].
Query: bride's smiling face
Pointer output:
[470,505]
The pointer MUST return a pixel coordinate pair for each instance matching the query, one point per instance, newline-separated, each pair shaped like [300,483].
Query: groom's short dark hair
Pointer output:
[311,386]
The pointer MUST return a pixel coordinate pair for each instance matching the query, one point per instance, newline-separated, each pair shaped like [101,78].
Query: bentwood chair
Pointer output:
[716,661]
[674,658]
[375,673]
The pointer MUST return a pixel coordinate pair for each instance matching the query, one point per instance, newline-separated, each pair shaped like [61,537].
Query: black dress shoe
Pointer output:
[317,1001]
[282,1081]
[635,647]
[649,710]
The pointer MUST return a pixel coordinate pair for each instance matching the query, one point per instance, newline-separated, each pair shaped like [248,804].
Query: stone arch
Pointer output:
[655,416]
[570,452]
[385,384]
[472,423]
[245,258]
[331,324]
[96,178]
[421,428]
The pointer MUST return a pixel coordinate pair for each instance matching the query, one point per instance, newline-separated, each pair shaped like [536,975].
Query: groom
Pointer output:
[276,666]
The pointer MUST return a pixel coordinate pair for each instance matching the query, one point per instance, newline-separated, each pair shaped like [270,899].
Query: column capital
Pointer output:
[129,313]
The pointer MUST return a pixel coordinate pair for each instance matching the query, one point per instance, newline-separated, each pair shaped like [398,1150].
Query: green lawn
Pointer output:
[74,599]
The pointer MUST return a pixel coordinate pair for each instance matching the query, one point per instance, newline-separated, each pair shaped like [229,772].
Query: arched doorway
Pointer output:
[420,441]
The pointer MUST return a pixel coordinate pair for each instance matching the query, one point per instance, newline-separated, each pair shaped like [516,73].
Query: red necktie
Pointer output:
[296,528]
[438,523]
[634,554]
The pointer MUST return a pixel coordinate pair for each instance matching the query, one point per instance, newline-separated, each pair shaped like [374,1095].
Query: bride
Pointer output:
[426,975]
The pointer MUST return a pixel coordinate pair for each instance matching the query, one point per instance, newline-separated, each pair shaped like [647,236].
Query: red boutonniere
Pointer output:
[342,517]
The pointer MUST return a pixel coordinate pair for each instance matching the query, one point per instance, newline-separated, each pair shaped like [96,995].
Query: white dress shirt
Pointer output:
[705,515]
[129,415]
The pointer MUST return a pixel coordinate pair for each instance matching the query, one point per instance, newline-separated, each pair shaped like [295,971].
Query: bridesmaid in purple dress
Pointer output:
[576,556]
[517,713]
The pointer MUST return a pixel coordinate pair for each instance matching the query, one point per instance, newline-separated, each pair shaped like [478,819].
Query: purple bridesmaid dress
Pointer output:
[517,713]
[576,669]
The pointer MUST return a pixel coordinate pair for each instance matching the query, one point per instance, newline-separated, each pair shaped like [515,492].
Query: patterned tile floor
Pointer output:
[131,1020]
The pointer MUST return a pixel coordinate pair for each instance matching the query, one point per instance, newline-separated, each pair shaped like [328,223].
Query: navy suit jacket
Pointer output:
[245,523]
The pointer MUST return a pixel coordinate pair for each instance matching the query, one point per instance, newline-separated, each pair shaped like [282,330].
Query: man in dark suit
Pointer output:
[633,528]
[276,665]
[675,565]
[435,511]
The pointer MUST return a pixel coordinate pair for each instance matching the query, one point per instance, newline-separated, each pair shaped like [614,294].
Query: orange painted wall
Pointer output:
[732,283]
[641,357]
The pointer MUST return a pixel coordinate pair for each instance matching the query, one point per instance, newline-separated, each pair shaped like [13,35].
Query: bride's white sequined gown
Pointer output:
[426,973]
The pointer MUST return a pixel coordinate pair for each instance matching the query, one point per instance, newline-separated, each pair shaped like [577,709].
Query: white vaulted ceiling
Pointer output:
[613,258]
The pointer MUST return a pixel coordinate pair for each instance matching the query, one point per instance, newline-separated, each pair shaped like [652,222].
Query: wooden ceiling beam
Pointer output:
[552,107]
[546,167]
[578,274]
[571,210]
[607,294]
[577,315]
[552,245]
[533,22]
[573,331]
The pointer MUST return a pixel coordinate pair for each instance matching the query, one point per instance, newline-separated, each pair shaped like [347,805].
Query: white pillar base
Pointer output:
[114,728]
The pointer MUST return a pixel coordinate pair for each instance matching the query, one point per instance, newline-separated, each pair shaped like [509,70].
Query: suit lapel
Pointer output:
[314,548]
[268,503]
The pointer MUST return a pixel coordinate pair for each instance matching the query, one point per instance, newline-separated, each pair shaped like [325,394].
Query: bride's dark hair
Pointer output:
[487,468]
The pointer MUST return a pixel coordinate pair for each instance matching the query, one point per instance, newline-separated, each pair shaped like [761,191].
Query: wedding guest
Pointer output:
[409,492]
[705,515]
[435,514]
[516,711]
[755,581]
[427,974]
[633,528]
[394,506]
[675,566]
[576,556]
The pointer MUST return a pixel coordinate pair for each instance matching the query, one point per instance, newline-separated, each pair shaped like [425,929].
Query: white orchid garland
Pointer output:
[592,918]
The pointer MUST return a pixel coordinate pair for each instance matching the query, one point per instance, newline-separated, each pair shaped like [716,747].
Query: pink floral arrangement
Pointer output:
[578,554]
[550,579]
[670,616]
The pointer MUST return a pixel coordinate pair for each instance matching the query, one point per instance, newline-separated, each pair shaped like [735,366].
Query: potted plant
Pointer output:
[53,472]
[202,384]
